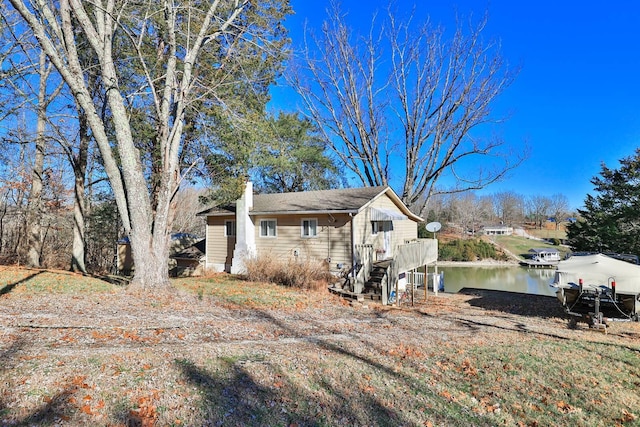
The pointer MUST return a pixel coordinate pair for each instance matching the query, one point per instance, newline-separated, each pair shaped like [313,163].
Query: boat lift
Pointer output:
[598,289]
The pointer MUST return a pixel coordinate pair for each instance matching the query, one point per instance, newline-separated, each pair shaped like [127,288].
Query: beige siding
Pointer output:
[333,240]
[219,247]
[403,230]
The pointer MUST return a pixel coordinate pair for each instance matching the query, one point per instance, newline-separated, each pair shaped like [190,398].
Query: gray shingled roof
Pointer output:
[340,200]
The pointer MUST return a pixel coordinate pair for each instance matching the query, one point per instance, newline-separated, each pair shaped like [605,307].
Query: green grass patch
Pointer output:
[520,245]
[17,280]
[226,289]
[548,234]
[530,382]
[546,382]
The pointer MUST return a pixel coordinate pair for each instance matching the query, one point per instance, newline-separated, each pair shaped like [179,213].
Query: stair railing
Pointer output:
[364,260]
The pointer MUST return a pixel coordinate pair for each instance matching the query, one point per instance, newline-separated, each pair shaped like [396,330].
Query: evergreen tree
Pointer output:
[293,159]
[610,220]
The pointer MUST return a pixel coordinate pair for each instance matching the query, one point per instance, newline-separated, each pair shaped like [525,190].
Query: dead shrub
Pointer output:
[293,272]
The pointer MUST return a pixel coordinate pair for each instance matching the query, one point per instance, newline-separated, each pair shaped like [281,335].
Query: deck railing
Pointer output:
[364,261]
[417,278]
[409,257]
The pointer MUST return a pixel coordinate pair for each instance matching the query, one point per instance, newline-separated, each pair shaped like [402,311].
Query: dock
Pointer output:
[538,264]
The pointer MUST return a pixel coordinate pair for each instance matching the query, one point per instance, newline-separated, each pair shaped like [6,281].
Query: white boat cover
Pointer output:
[598,271]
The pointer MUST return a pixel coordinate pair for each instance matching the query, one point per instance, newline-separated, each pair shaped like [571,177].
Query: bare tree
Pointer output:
[559,208]
[473,211]
[29,86]
[164,41]
[45,96]
[187,206]
[63,125]
[406,94]
[539,209]
[508,207]
[16,181]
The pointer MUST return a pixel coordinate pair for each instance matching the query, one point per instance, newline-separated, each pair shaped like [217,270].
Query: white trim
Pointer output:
[396,200]
[310,236]
[275,228]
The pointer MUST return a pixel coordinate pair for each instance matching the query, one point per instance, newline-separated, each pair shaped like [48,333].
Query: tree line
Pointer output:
[470,211]
[113,112]
[609,221]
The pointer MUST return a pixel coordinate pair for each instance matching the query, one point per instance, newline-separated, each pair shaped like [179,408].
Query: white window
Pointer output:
[309,228]
[267,228]
[378,226]
[229,228]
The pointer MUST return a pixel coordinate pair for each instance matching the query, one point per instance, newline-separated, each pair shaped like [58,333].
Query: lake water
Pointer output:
[512,279]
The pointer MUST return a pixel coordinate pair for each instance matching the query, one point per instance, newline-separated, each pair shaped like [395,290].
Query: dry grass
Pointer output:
[291,272]
[230,352]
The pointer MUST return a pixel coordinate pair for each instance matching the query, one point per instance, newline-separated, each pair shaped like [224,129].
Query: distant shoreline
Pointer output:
[481,263]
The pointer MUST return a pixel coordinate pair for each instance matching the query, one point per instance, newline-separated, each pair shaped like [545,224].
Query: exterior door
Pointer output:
[384,248]
[387,240]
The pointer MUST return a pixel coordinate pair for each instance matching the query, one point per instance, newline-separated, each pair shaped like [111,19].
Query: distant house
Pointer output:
[497,230]
[190,261]
[179,242]
[545,255]
[348,229]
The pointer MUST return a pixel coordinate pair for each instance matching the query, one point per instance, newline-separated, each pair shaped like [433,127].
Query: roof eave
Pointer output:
[307,212]
[397,200]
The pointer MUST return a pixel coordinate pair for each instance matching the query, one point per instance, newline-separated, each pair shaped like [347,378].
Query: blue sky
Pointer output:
[576,100]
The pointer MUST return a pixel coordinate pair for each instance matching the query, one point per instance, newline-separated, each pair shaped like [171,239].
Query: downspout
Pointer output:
[353,258]
[330,221]
[329,245]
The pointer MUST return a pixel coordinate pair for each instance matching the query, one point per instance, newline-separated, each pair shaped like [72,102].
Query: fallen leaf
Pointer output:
[628,416]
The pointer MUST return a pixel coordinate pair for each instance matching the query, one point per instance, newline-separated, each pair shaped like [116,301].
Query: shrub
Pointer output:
[293,272]
[422,231]
[468,250]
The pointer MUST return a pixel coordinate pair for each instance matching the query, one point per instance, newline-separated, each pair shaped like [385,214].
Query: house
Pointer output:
[189,262]
[545,255]
[178,243]
[349,229]
[497,230]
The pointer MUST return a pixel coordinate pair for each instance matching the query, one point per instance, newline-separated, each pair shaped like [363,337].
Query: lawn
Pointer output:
[548,233]
[222,351]
[520,246]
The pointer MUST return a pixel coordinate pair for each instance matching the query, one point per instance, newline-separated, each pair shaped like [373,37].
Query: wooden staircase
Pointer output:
[372,289]
[373,286]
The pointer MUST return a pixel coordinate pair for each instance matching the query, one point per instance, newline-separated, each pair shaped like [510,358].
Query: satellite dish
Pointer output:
[433,227]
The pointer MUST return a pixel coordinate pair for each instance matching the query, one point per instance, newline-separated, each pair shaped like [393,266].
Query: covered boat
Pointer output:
[590,285]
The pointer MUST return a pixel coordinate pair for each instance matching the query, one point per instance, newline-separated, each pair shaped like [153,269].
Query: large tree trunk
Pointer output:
[79,206]
[34,208]
[146,212]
